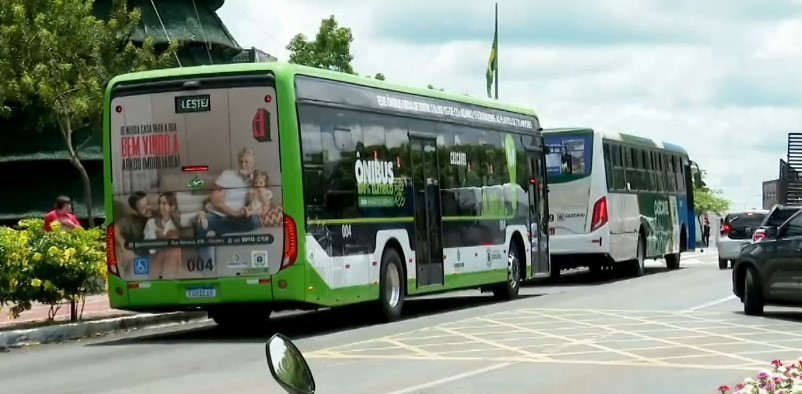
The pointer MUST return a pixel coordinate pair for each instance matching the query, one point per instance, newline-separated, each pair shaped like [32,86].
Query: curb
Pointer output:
[14,339]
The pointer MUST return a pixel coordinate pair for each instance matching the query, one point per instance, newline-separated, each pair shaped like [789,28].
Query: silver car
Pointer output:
[736,232]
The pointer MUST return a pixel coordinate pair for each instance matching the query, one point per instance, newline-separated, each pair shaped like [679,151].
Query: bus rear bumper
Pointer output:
[176,295]
[594,243]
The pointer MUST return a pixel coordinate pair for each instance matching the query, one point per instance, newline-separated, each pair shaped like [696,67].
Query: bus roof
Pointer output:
[284,70]
[623,137]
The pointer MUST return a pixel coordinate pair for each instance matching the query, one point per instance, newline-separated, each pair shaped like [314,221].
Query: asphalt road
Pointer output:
[667,332]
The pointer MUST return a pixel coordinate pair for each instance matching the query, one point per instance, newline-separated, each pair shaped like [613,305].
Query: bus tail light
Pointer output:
[290,242]
[599,217]
[111,256]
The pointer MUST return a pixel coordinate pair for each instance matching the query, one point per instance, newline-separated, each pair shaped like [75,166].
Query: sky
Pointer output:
[718,77]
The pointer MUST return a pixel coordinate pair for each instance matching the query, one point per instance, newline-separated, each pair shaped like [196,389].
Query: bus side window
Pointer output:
[451,166]
[312,158]
[619,176]
[659,171]
[629,165]
[680,176]
[340,131]
[646,171]
[672,177]
[608,167]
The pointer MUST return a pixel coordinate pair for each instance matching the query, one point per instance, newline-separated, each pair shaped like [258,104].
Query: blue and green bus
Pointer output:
[617,200]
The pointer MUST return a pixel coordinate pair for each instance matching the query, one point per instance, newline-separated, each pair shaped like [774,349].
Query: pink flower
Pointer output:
[724,389]
[777,363]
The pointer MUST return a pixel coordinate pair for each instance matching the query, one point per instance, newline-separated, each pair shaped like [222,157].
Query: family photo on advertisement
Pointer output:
[238,202]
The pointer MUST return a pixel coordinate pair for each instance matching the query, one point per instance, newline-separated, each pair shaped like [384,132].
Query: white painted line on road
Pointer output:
[707,304]
[463,375]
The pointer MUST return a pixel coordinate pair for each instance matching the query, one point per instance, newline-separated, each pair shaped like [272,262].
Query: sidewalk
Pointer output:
[97,306]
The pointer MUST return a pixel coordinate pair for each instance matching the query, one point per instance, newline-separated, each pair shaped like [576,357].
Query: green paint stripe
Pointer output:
[324,222]
[475,218]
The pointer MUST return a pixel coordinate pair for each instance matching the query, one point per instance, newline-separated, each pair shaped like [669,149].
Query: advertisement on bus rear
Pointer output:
[197,184]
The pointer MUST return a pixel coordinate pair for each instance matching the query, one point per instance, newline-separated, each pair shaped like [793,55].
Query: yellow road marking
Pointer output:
[586,343]
[493,344]
[738,367]
[730,337]
[760,327]
[411,348]
[685,345]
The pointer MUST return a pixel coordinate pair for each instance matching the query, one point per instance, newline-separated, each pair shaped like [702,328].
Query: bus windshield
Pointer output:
[568,156]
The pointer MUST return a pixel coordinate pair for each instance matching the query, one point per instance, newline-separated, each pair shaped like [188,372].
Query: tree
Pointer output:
[331,48]
[379,76]
[706,200]
[59,56]
[430,86]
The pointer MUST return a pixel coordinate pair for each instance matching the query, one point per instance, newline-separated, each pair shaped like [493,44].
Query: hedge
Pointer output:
[50,268]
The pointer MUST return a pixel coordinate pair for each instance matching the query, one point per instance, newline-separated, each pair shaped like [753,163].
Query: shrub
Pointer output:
[781,379]
[49,267]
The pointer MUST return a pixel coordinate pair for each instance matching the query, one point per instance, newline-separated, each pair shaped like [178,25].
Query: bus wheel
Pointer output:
[509,290]
[672,261]
[391,286]
[640,257]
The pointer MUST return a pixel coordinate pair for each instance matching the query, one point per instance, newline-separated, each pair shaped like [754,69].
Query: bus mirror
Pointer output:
[697,180]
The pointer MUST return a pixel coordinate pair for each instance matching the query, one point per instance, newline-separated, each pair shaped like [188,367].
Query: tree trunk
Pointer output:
[65,124]
[87,189]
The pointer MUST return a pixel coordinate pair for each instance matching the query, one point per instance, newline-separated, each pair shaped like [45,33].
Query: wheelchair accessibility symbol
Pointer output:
[141,266]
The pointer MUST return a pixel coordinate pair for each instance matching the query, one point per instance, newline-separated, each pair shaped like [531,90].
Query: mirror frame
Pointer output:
[292,347]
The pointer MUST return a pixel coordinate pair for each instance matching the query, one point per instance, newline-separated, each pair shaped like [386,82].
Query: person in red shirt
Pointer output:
[62,213]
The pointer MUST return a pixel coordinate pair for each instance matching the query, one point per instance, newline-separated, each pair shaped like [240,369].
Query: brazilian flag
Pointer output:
[492,63]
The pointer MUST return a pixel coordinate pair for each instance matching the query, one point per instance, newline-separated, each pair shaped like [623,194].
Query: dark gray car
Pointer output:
[769,270]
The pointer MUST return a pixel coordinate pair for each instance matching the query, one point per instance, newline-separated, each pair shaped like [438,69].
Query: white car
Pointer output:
[736,232]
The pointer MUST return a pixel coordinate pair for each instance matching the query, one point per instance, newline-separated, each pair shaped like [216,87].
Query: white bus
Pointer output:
[616,200]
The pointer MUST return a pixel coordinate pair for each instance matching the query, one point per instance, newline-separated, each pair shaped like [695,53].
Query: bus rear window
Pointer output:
[568,156]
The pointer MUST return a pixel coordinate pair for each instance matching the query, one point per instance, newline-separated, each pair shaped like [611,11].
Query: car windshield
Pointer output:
[742,220]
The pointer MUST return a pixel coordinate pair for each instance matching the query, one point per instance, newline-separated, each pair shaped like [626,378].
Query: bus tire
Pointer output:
[672,261]
[509,290]
[391,285]
[638,266]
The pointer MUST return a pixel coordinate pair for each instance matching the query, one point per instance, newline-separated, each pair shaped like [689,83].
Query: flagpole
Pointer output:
[496,73]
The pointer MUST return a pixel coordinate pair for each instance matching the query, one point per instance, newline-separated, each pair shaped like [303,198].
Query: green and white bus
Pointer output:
[249,188]
[617,199]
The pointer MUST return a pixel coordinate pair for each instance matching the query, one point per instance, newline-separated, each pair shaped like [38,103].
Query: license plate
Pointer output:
[202,292]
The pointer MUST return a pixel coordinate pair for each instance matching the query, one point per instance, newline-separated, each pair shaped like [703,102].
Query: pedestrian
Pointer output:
[706,233]
[62,213]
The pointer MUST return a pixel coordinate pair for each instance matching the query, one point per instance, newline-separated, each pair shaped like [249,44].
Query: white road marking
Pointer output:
[439,382]
[707,304]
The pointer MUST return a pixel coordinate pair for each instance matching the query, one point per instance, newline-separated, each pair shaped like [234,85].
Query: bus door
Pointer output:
[538,211]
[428,215]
